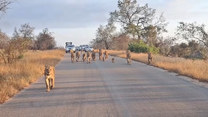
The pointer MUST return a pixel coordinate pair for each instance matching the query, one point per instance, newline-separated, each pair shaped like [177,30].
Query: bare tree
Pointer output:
[4,5]
[165,45]
[45,40]
[120,42]
[135,18]
[105,34]
[3,40]
[151,35]
[25,31]
[25,35]
[193,31]
[95,43]
[11,49]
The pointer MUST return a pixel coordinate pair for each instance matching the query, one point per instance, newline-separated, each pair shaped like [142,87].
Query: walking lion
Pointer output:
[49,73]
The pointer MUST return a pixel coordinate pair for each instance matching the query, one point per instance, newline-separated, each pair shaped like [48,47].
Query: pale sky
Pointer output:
[77,20]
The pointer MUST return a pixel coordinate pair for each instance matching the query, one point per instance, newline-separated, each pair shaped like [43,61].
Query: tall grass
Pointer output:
[14,77]
[197,69]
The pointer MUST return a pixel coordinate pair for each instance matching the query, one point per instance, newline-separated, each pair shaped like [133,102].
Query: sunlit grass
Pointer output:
[193,68]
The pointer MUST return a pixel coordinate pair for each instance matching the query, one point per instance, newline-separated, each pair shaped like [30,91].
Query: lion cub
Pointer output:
[49,73]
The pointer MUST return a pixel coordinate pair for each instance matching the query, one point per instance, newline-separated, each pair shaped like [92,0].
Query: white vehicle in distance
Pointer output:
[77,48]
[90,49]
[82,47]
[69,48]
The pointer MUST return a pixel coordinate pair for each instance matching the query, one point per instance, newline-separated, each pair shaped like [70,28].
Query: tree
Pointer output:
[120,42]
[141,47]
[11,49]
[192,49]
[97,44]
[3,40]
[135,18]
[4,5]
[151,35]
[25,35]
[105,34]
[193,31]
[45,40]
[25,31]
[165,45]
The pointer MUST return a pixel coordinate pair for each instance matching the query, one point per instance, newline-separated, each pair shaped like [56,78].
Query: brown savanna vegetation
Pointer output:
[21,62]
[196,69]
[16,76]
[184,53]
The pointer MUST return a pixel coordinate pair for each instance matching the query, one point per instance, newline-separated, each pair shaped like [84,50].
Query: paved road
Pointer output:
[103,89]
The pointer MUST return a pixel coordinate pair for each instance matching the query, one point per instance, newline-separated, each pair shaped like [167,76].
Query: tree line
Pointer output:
[142,30]
[23,39]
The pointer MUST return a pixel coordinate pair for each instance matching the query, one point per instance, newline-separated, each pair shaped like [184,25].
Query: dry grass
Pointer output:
[14,77]
[197,69]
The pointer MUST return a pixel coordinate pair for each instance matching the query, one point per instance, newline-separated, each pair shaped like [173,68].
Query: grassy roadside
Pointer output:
[197,69]
[14,77]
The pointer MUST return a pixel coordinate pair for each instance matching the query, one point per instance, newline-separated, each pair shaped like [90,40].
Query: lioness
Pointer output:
[100,54]
[72,56]
[83,57]
[128,56]
[106,54]
[103,58]
[93,55]
[49,73]
[77,56]
[149,57]
[88,57]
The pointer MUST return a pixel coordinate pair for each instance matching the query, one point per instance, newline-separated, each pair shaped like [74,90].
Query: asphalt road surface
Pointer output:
[104,89]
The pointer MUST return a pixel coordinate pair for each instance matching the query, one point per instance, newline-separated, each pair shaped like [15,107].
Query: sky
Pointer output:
[78,20]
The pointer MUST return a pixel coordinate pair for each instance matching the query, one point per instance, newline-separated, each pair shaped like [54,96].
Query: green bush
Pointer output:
[20,56]
[141,47]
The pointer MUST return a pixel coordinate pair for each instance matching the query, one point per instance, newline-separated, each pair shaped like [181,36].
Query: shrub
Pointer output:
[13,50]
[141,47]
[16,76]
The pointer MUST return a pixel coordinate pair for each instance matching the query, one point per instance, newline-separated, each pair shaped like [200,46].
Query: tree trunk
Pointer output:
[106,45]
[138,37]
